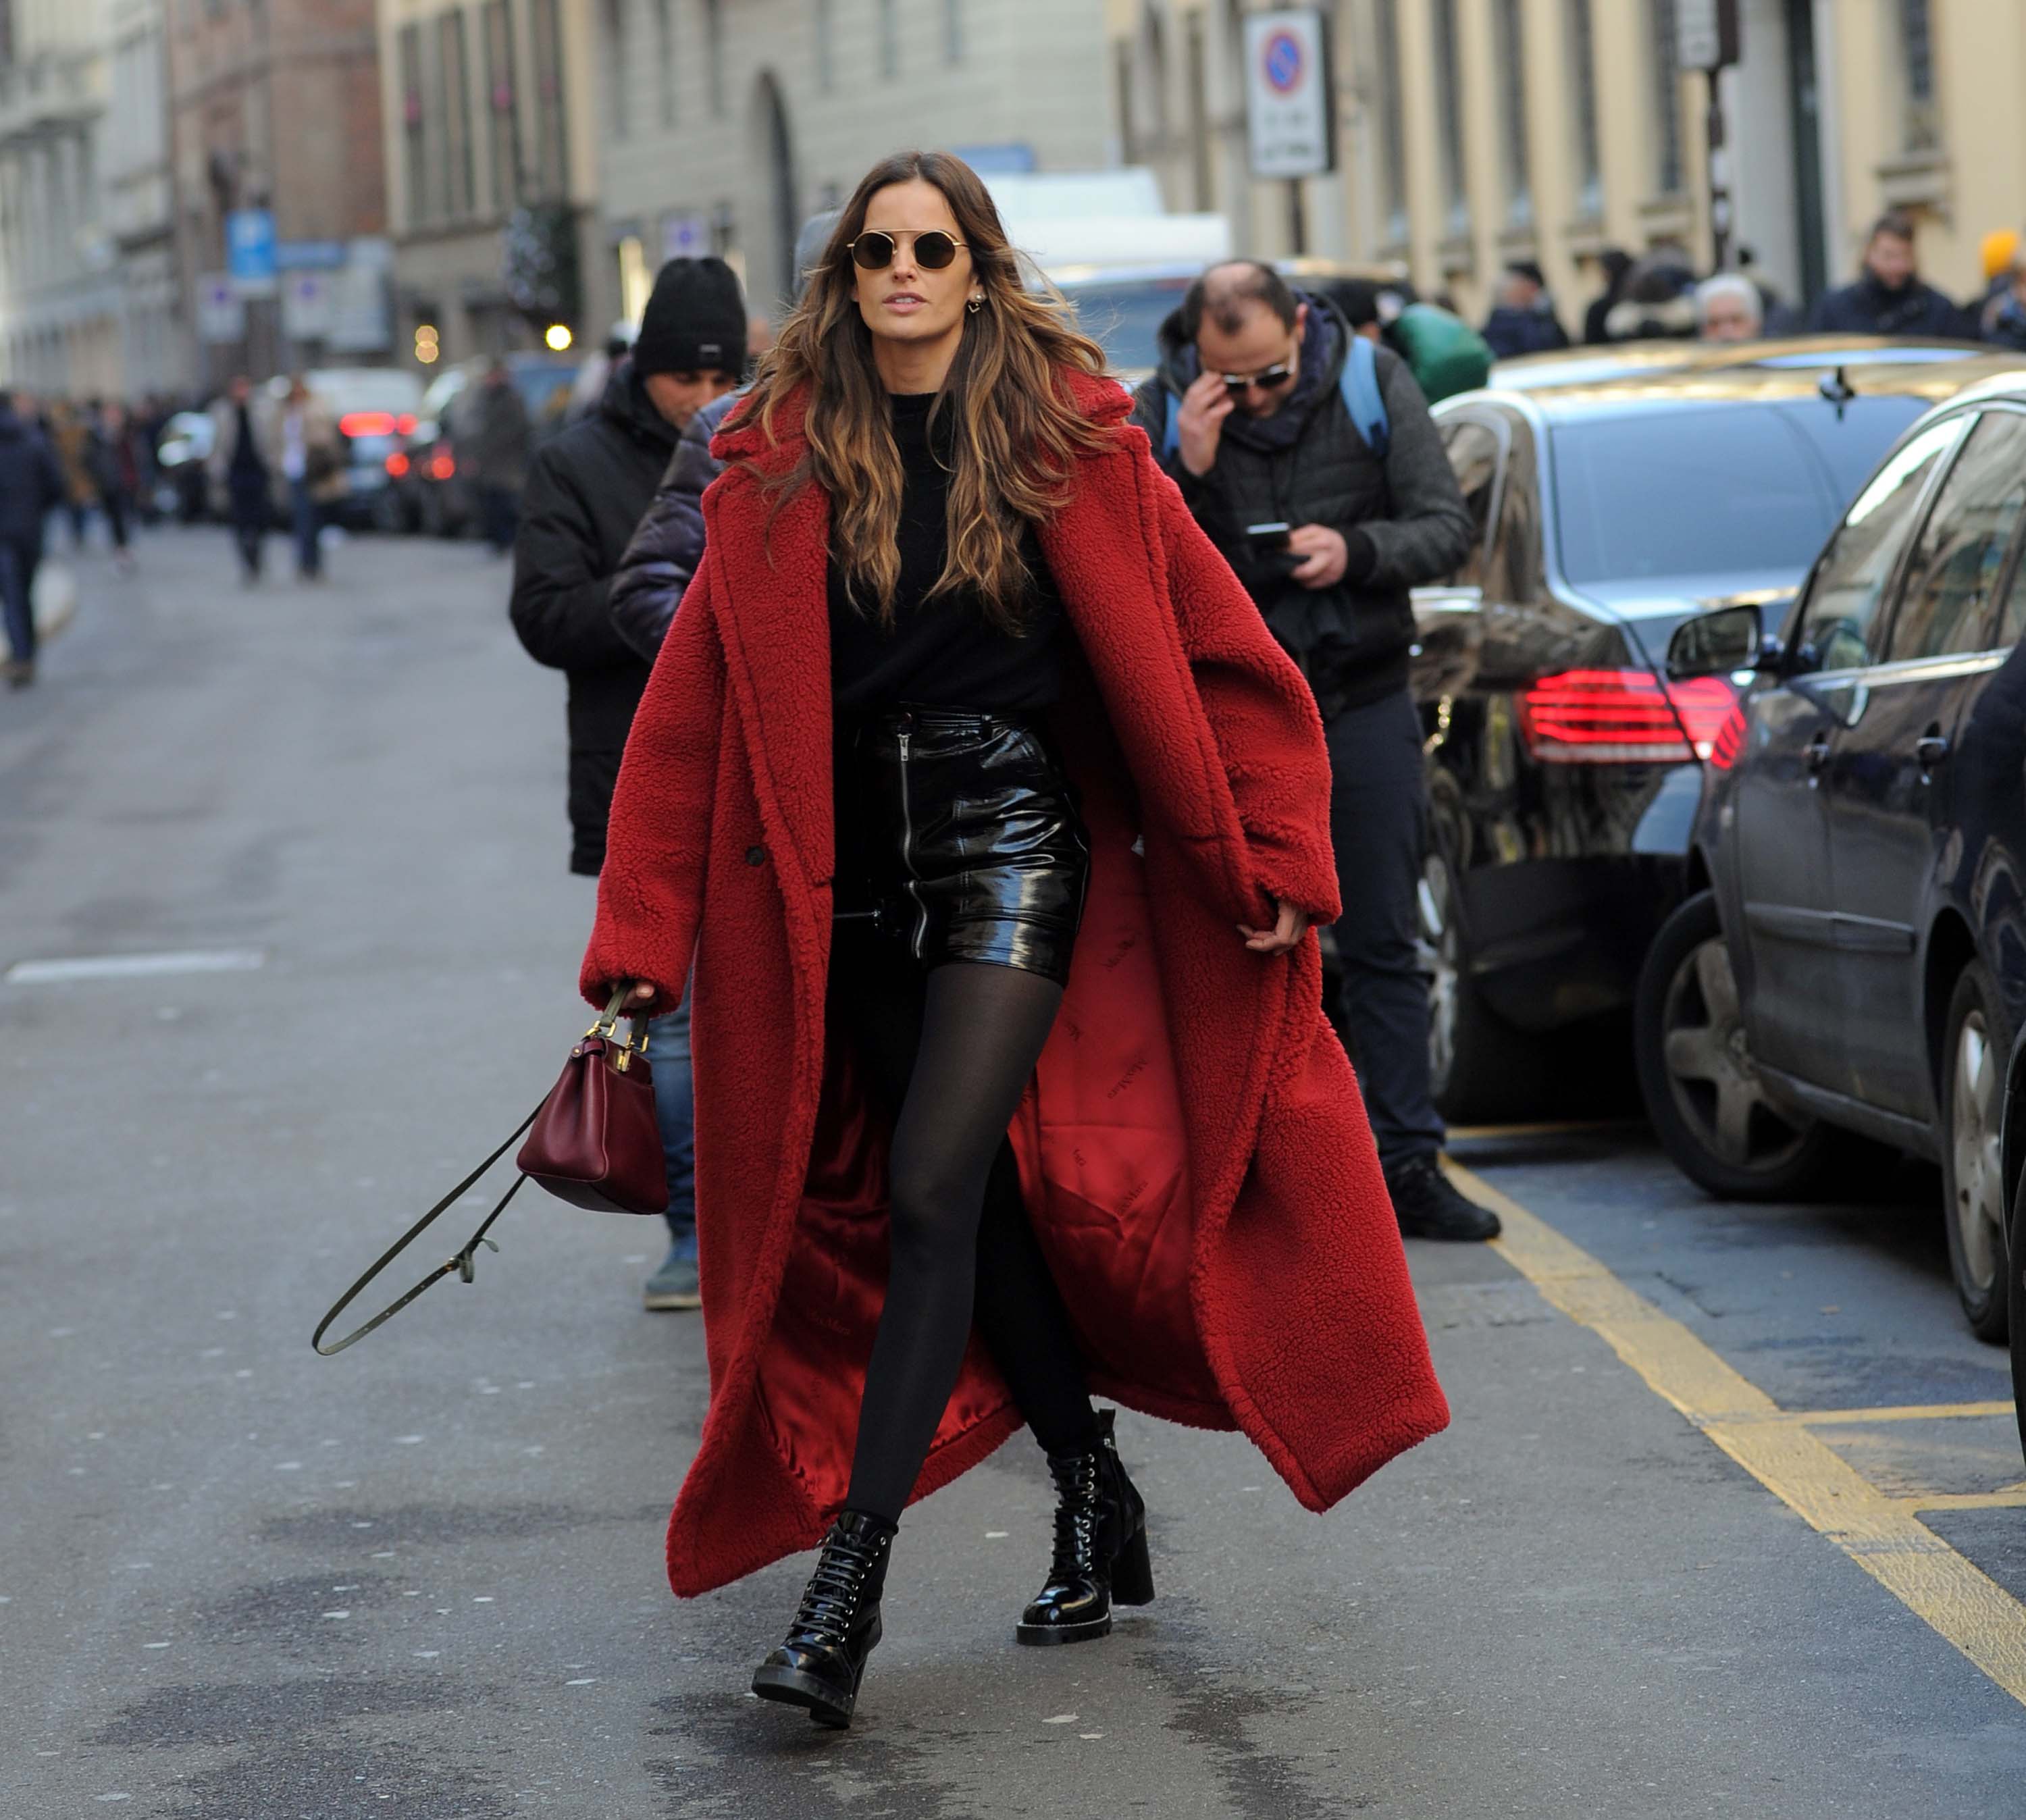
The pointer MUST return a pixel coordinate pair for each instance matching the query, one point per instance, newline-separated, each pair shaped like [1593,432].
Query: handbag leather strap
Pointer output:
[464,1261]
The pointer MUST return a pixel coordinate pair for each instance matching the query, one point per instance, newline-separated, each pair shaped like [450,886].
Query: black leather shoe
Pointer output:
[1430,1206]
[1100,1547]
[823,1660]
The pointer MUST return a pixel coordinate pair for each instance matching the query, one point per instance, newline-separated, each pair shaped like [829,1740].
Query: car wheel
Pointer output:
[1695,1074]
[1480,1067]
[1972,1089]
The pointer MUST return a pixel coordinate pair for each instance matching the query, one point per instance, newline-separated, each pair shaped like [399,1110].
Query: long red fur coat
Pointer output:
[1193,1149]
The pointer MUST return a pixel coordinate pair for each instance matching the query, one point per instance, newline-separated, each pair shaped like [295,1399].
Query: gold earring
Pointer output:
[976,304]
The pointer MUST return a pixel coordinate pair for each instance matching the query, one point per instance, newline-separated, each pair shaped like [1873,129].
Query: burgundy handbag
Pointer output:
[594,1141]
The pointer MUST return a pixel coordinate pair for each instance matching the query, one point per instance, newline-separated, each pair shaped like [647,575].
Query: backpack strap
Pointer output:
[1359,384]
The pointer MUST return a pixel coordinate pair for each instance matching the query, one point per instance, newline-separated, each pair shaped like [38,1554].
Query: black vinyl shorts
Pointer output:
[958,834]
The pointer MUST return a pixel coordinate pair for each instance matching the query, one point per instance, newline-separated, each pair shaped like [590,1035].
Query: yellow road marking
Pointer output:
[1898,1412]
[1880,1533]
[2005,1498]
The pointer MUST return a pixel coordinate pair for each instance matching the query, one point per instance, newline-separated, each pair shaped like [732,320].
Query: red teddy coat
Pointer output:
[1193,1152]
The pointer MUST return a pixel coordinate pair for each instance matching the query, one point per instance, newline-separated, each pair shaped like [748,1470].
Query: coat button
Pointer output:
[755,855]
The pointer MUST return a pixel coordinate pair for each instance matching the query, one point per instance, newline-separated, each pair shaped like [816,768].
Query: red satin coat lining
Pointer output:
[1104,1169]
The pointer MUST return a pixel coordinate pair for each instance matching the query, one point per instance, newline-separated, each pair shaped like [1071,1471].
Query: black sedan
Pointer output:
[1564,775]
[1854,958]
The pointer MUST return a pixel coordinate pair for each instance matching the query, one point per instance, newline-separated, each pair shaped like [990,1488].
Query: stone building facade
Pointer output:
[724,123]
[274,104]
[1471,132]
[490,108]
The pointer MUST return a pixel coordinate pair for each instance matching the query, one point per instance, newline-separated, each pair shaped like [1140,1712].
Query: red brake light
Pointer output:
[443,466]
[397,464]
[405,423]
[1628,717]
[367,423]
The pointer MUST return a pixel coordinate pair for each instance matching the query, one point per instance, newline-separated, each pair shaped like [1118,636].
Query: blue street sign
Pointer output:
[249,251]
[309,254]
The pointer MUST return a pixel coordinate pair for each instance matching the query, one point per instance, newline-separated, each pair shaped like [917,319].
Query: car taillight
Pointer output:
[397,464]
[367,423]
[405,423]
[443,466]
[1629,717]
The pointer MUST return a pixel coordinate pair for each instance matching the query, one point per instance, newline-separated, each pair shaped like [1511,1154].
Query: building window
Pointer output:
[713,53]
[1667,102]
[1512,111]
[551,121]
[1121,78]
[414,164]
[826,45]
[889,38]
[1196,51]
[952,31]
[1449,107]
[1582,62]
[503,104]
[1917,46]
[453,77]
[665,58]
[1392,122]
[617,112]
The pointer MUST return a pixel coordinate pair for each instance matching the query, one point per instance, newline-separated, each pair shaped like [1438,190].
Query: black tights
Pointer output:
[952,1051]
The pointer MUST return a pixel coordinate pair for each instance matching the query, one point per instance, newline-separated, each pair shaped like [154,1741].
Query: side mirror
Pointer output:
[1715,644]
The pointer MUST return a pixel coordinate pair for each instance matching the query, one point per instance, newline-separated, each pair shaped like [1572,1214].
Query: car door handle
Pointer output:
[1931,749]
[1816,753]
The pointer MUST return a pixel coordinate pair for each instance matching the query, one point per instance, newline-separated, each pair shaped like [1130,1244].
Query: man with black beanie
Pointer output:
[585,491]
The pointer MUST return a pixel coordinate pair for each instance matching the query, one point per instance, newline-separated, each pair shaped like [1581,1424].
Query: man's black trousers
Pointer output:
[1379,817]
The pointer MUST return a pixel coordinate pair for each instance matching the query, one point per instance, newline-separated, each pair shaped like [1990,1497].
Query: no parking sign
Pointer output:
[1288,117]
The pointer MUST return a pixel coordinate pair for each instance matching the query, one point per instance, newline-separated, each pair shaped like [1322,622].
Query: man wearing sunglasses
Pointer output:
[1318,473]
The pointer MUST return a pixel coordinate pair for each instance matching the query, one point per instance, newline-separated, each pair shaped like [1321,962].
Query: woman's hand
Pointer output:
[1286,934]
[642,992]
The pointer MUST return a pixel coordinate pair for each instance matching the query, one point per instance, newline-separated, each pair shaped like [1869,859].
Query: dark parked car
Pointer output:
[433,496]
[1642,359]
[1564,774]
[1854,957]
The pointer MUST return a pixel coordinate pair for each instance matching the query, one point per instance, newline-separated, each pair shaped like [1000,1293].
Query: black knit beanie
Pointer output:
[695,321]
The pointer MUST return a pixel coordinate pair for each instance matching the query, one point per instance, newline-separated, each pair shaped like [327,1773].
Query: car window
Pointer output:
[1473,447]
[1839,623]
[1956,562]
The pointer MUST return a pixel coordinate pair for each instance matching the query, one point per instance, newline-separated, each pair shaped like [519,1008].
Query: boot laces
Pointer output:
[831,1604]
[1078,1511]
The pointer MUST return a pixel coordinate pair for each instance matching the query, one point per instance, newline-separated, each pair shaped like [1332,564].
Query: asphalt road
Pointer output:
[425,1579]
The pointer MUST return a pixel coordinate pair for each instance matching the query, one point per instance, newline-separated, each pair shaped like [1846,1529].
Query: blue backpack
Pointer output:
[1359,384]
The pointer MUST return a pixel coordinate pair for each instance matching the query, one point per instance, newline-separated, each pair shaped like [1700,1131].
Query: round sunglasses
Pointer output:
[1267,379]
[933,249]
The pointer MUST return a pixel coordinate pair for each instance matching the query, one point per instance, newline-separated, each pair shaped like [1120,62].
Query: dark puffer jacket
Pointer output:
[1351,639]
[586,492]
[667,544]
[1868,307]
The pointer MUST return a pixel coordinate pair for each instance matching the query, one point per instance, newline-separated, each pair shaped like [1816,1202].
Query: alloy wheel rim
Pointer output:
[1711,1079]
[1974,1135]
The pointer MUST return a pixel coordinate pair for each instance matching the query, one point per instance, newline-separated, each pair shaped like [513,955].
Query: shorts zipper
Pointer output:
[908,852]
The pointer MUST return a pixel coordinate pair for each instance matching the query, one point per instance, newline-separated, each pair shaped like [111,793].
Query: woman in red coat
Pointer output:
[995,822]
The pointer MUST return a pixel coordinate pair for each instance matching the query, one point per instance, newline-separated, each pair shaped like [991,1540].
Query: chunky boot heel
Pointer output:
[1133,1574]
[1100,1547]
[822,1662]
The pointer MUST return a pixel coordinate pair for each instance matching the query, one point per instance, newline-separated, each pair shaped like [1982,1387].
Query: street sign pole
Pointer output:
[1707,38]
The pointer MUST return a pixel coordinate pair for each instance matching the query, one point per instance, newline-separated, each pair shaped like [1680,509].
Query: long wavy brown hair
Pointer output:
[1017,433]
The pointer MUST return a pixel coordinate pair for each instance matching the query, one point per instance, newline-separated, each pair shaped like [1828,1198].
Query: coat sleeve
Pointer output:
[666,546]
[560,605]
[657,842]
[1268,734]
[1427,530]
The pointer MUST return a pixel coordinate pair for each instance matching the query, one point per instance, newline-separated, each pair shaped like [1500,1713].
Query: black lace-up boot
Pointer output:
[1100,1547]
[823,1660]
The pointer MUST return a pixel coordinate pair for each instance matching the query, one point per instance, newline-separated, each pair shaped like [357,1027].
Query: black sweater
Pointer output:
[943,652]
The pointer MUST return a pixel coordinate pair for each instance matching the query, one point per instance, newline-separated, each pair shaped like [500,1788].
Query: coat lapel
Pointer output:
[776,637]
